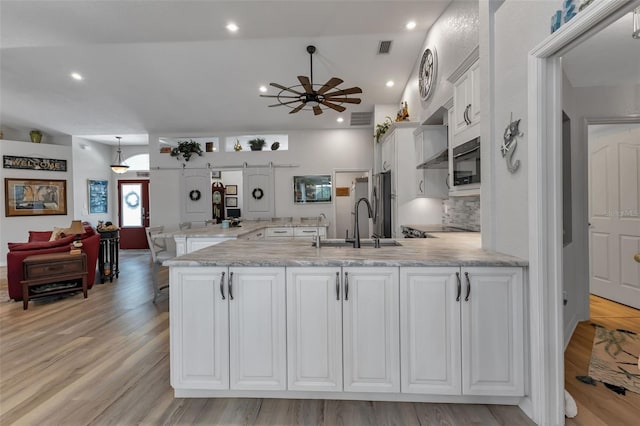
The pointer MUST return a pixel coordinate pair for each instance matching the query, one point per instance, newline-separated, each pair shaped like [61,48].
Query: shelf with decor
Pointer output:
[244,143]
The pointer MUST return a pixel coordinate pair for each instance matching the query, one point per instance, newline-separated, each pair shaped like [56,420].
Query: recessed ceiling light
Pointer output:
[390,83]
[76,76]
[263,89]
[340,120]
[232,27]
[411,25]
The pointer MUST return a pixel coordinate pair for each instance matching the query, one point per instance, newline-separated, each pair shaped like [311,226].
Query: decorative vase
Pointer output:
[275,146]
[36,136]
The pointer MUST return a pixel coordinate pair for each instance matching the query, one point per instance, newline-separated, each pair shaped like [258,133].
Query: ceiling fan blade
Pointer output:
[333,106]
[343,100]
[298,108]
[280,86]
[279,96]
[330,85]
[349,91]
[285,103]
[308,88]
[317,110]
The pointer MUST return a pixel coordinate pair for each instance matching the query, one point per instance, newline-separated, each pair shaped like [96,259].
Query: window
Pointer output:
[138,162]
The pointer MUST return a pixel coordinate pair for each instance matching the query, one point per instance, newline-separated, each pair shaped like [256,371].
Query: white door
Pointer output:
[614,206]
[371,341]
[314,329]
[200,329]
[430,330]
[492,331]
[257,328]
[195,199]
[258,193]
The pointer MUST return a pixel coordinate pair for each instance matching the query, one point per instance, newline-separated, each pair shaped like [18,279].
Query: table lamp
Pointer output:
[77,229]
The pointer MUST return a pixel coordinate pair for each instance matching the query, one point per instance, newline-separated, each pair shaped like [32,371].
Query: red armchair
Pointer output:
[39,244]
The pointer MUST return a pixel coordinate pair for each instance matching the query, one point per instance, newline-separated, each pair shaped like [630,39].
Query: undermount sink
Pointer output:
[365,242]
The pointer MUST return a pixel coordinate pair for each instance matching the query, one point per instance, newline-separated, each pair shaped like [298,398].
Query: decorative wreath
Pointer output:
[132,199]
[194,195]
[257,193]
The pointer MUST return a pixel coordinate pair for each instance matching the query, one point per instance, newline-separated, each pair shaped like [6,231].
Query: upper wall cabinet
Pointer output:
[466,98]
[430,143]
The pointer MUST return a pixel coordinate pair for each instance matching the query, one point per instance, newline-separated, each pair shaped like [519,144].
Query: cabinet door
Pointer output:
[492,330]
[314,329]
[371,343]
[474,112]
[199,329]
[388,153]
[418,149]
[461,97]
[430,331]
[257,329]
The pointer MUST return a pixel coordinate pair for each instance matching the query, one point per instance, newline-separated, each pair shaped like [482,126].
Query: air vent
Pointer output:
[143,174]
[361,118]
[384,47]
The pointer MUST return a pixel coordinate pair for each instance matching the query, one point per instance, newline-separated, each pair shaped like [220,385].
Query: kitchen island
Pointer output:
[435,319]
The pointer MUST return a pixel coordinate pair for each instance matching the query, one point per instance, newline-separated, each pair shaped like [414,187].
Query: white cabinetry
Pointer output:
[279,233]
[462,331]
[228,334]
[347,317]
[428,142]
[466,100]
[308,232]
[388,152]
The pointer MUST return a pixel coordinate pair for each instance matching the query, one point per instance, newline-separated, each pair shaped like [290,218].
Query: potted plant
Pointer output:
[35,135]
[381,129]
[257,144]
[186,149]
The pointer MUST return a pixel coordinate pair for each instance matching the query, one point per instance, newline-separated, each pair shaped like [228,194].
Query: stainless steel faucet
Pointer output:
[356,225]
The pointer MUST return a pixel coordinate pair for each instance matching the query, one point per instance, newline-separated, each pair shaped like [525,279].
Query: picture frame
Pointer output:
[35,197]
[216,174]
[98,196]
[231,201]
[231,189]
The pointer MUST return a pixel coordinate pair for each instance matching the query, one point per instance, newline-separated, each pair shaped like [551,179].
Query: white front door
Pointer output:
[614,205]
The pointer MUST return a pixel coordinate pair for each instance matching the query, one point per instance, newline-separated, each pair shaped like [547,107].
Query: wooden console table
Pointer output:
[53,268]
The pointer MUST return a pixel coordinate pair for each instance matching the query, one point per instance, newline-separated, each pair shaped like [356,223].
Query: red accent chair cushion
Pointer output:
[19,251]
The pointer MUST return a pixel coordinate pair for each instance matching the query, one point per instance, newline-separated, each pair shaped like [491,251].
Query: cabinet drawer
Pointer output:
[43,270]
[307,231]
[279,232]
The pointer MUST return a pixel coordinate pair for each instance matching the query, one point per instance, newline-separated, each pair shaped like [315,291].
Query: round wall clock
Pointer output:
[427,73]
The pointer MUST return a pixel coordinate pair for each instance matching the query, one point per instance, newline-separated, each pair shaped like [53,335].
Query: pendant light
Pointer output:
[119,167]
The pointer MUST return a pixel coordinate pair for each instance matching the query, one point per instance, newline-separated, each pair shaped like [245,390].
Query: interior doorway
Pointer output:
[133,213]
[350,186]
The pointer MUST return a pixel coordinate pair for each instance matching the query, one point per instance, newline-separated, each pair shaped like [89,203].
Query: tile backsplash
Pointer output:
[462,211]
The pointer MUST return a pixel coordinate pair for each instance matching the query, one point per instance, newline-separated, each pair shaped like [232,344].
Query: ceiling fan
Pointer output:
[307,94]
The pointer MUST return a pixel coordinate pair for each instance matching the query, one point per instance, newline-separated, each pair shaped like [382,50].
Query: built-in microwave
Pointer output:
[466,163]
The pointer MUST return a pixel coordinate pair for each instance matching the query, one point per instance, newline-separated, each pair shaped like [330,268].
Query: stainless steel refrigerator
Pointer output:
[381,200]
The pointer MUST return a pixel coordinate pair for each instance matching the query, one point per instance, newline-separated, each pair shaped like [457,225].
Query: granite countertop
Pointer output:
[246,227]
[447,249]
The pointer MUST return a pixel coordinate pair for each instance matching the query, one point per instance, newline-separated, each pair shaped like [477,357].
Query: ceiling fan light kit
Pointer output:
[314,97]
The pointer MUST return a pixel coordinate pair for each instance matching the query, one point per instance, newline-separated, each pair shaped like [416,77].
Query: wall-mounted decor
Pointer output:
[33,197]
[34,163]
[98,196]
[216,174]
[231,189]
[510,143]
[312,189]
[342,191]
[232,201]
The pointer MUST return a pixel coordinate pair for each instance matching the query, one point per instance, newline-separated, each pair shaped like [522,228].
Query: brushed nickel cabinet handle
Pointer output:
[222,286]
[337,285]
[466,275]
[231,285]
[459,286]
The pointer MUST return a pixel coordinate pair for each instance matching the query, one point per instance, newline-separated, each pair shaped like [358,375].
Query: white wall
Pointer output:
[311,151]
[16,229]
[91,160]
[233,177]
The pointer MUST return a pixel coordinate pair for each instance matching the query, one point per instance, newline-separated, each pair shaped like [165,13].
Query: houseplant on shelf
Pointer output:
[257,144]
[186,149]
[381,129]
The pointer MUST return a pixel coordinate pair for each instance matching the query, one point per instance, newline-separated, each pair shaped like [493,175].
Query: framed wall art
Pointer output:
[98,196]
[35,197]
[231,201]
[231,189]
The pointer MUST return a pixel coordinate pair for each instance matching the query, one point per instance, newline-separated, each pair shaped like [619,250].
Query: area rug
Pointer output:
[614,359]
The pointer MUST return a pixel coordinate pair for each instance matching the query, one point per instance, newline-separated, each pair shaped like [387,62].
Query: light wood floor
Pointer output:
[598,405]
[105,360]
